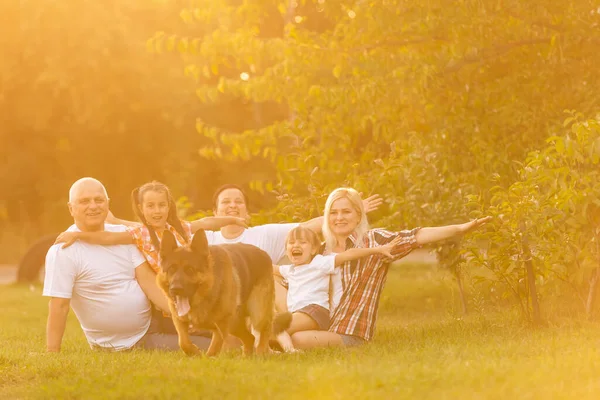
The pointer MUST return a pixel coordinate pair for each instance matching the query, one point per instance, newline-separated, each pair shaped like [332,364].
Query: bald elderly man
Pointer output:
[108,287]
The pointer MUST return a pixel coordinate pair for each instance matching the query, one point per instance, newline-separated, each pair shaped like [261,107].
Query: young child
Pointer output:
[309,277]
[155,207]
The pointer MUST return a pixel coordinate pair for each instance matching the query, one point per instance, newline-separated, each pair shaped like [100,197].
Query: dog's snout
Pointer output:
[176,289]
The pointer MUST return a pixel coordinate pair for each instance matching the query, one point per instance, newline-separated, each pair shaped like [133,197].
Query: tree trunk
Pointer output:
[589,305]
[461,290]
[535,306]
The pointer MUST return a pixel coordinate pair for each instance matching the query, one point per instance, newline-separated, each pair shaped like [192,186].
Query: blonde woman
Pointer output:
[358,285]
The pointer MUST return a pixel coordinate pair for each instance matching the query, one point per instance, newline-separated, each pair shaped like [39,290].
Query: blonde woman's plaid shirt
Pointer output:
[363,282]
[143,241]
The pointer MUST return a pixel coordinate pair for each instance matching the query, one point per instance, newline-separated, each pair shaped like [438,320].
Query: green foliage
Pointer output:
[554,210]
[426,104]
[420,102]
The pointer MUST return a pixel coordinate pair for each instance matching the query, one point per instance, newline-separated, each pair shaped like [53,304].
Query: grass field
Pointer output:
[423,350]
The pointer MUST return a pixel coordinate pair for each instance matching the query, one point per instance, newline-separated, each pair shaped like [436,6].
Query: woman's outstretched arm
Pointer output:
[216,223]
[435,234]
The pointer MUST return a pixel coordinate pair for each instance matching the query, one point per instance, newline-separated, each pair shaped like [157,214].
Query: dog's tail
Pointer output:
[281,322]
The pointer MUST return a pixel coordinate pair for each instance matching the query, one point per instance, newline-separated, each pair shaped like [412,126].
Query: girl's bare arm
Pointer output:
[111,219]
[356,253]
[105,238]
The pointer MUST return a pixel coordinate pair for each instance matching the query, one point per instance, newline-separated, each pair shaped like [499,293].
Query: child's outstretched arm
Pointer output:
[216,223]
[276,270]
[111,219]
[105,238]
[355,254]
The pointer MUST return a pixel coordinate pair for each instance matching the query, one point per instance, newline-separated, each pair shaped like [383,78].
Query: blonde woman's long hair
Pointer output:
[363,225]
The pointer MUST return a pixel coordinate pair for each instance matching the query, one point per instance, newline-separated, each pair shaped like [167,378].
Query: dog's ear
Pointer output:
[200,243]
[168,244]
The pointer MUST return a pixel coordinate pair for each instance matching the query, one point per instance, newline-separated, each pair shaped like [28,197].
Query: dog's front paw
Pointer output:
[190,349]
[212,353]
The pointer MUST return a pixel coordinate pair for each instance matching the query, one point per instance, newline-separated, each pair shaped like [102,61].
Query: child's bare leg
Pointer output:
[302,322]
[285,341]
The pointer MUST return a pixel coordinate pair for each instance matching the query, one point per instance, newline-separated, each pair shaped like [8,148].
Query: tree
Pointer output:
[79,95]
[457,80]
[547,223]
[424,103]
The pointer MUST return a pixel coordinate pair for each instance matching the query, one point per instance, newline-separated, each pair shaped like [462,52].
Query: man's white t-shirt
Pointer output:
[309,283]
[111,307]
[269,237]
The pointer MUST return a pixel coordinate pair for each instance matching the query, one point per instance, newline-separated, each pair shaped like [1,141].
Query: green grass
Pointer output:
[423,350]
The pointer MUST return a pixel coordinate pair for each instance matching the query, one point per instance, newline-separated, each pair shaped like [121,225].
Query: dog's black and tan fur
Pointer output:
[217,288]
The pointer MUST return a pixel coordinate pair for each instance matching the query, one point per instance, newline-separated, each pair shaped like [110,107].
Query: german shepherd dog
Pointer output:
[218,288]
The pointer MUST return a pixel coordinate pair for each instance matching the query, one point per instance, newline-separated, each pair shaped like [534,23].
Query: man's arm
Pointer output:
[435,234]
[58,309]
[61,272]
[147,280]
